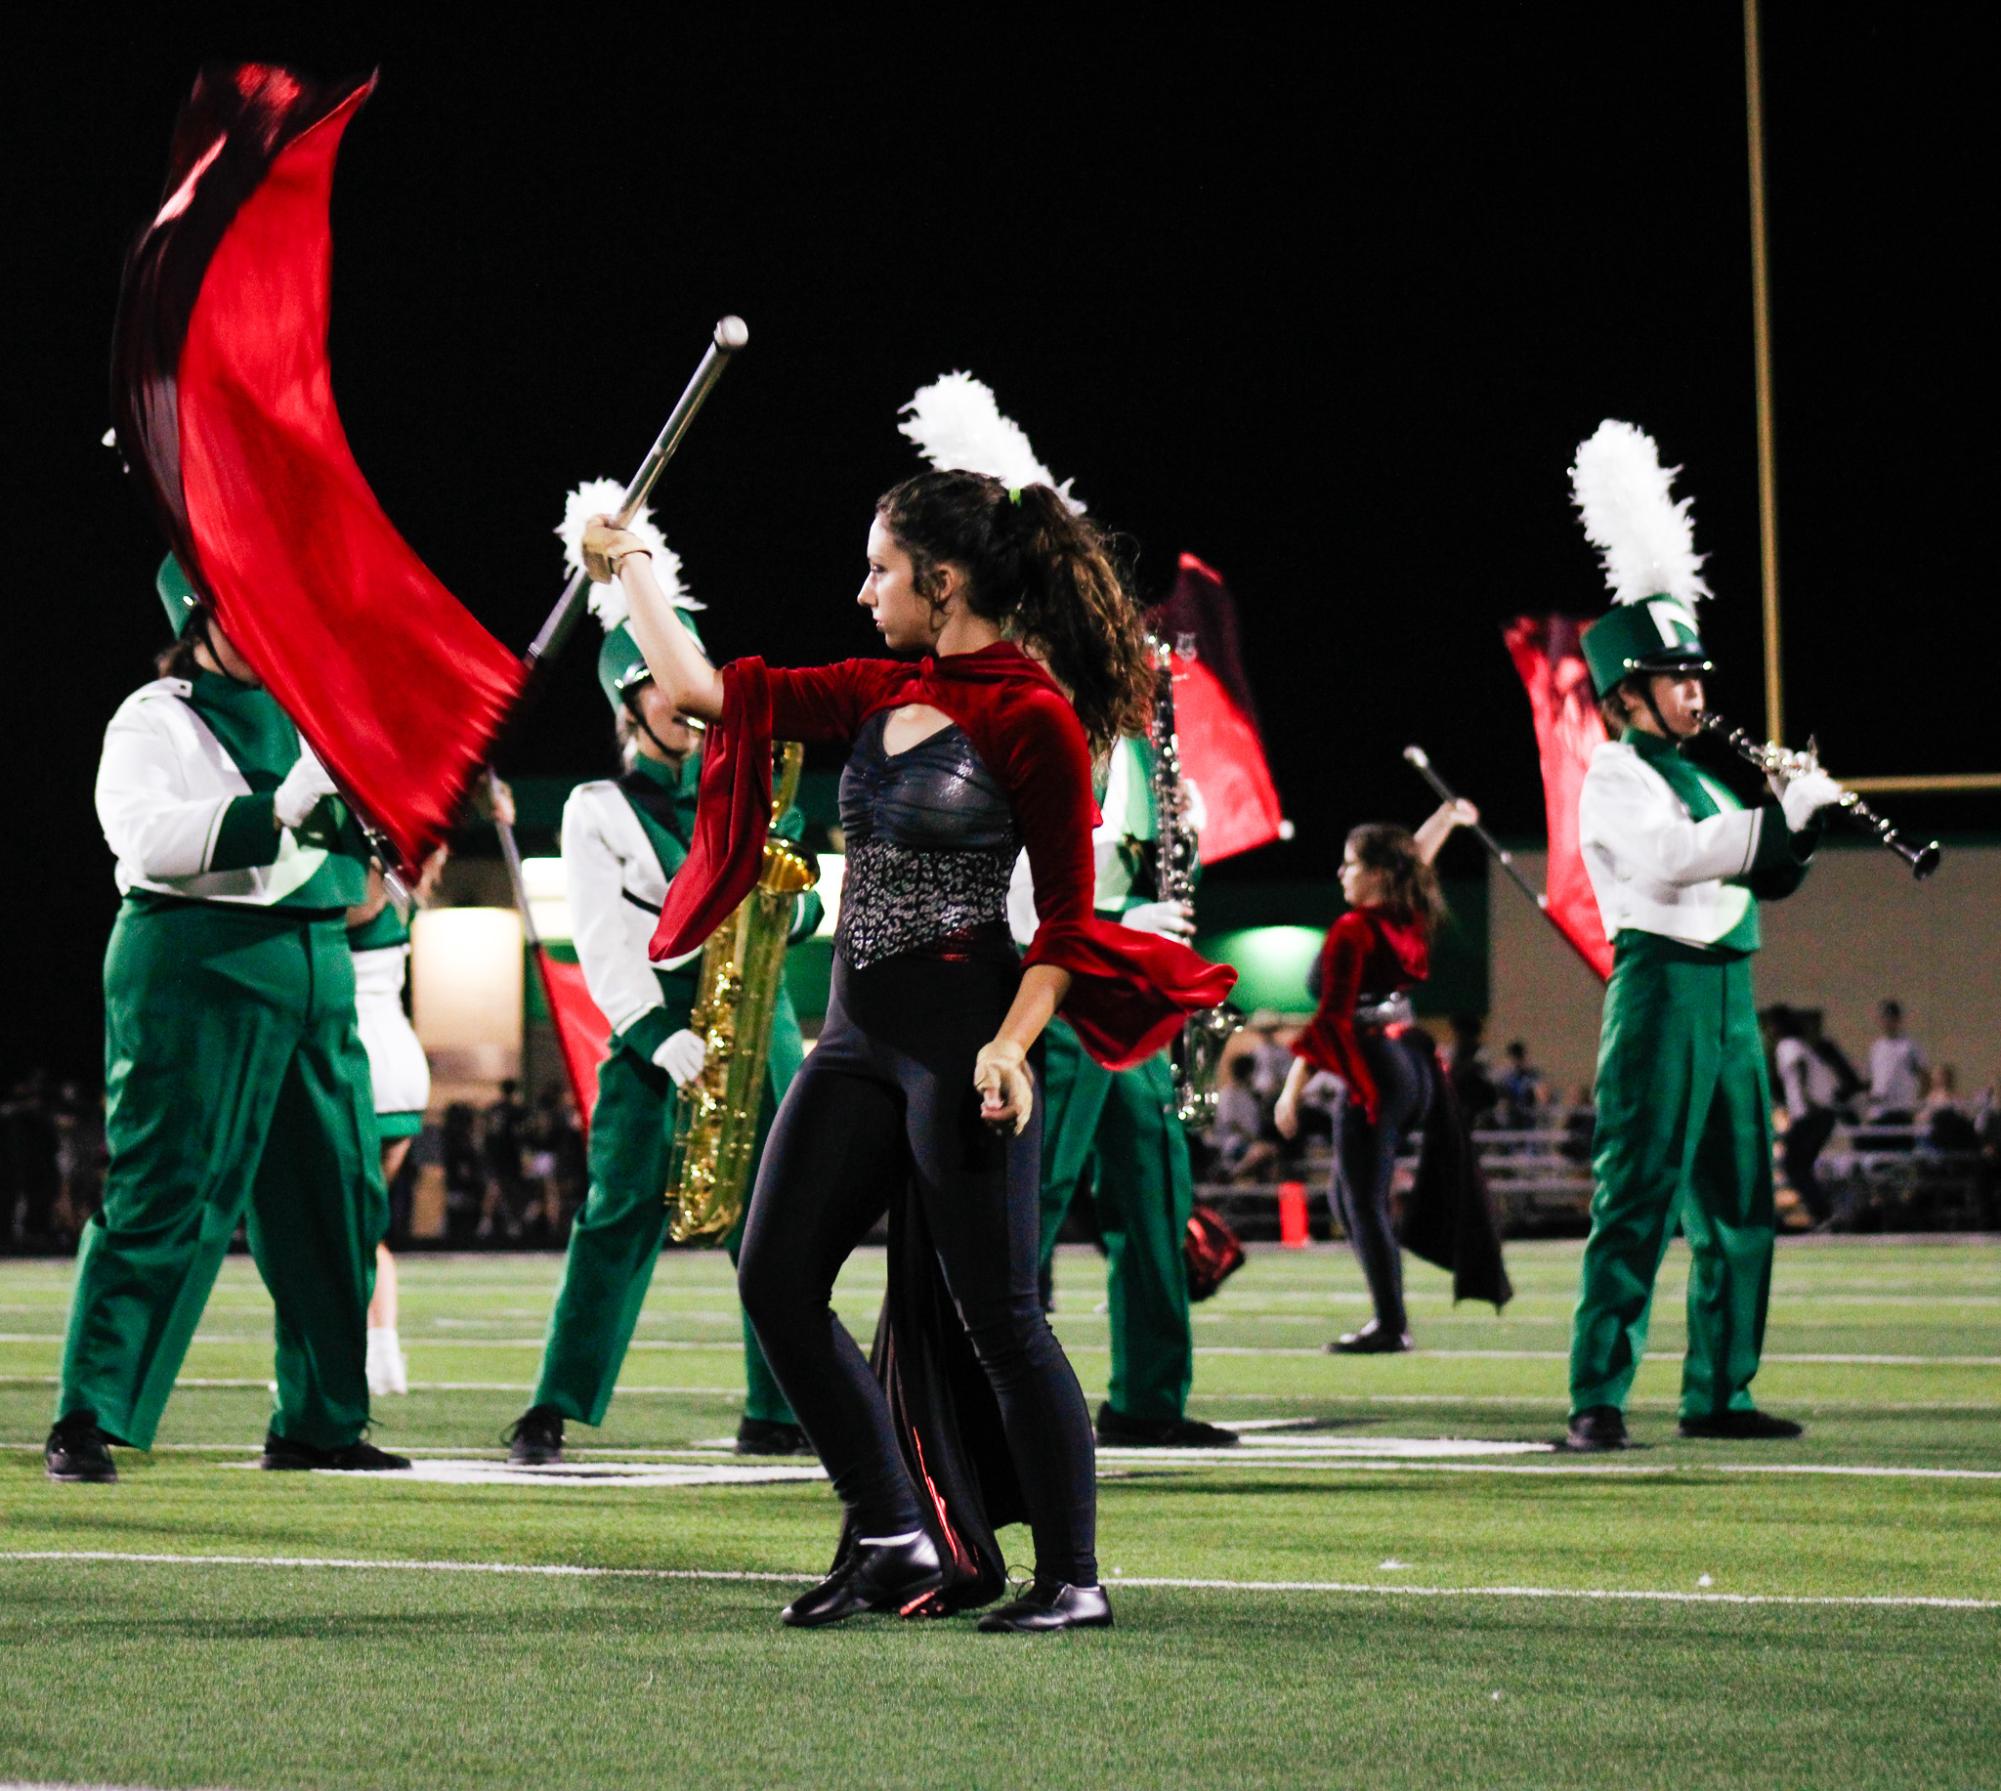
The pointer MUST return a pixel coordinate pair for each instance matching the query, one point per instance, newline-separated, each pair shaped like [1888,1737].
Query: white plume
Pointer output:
[602,497]
[1645,540]
[957,425]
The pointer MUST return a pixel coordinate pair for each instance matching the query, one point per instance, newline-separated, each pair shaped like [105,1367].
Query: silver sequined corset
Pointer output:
[931,845]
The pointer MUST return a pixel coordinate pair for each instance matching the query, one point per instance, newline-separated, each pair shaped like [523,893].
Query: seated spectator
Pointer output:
[1242,1135]
[1466,1067]
[1896,1072]
[1946,1125]
[1522,1090]
[1580,1125]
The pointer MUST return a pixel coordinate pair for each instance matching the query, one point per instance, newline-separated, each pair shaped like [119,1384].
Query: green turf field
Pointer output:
[1375,1590]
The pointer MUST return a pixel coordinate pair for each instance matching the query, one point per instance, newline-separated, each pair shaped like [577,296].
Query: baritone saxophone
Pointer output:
[736,994]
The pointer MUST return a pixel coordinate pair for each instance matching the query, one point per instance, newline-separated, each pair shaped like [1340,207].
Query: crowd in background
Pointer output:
[513,1172]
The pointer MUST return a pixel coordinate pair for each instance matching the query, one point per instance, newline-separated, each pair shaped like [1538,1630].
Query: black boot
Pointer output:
[1049,1604]
[887,1576]
[1371,1340]
[353,1458]
[1117,1431]
[1595,1430]
[1742,1427]
[535,1438]
[766,1436]
[77,1450]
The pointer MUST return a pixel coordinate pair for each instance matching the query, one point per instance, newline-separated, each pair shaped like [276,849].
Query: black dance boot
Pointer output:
[1050,1604]
[1595,1430]
[881,1576]
[1373,1339]
[1743,1427]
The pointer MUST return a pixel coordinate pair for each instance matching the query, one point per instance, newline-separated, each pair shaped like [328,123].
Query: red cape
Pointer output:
[1129,991]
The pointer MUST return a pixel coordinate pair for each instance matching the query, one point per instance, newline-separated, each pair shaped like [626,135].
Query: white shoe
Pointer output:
[387,1371]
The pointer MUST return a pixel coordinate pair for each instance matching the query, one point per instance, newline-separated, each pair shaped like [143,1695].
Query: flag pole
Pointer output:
[730,335]
[1761,344]
[1420,760]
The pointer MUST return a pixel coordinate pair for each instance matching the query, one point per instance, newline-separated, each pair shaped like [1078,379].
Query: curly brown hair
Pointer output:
[1049,576]
[1412,887]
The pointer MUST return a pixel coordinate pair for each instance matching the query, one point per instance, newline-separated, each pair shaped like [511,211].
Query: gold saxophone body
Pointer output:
[736,994]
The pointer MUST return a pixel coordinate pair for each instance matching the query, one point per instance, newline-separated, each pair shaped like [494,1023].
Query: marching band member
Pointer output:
[235,1082]
[920,1095]
[1119,1131]
[1678,866]
[624,842]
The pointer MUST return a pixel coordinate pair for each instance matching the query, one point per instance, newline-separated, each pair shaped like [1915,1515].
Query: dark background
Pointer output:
[1330,305]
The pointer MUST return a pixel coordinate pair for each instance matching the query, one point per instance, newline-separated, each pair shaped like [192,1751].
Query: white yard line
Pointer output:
[512,1569]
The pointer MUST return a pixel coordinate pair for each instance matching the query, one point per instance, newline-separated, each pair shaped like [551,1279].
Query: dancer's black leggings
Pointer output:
[1366,1161]
[886,1099]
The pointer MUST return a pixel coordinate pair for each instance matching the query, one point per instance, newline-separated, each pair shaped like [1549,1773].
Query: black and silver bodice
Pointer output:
[931,846]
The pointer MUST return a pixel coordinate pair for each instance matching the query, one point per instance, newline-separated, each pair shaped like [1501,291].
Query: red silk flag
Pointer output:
[1567,731]
[223,402]
[582,1032]
[1215,720]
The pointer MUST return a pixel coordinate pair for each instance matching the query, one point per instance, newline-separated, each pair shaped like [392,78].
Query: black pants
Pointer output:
[885,1101]
[1366,1159]
[1804,1140]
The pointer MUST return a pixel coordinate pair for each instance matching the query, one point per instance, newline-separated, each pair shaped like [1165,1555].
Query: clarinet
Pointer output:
[1770,757]
[1198,1048]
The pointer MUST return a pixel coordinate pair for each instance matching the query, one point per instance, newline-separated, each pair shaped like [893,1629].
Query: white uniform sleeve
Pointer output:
[152,825]
[620,980]
[1635,818]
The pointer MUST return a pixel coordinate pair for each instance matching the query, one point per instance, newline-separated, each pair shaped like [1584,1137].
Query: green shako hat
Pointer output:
[178,596]
[621,665]
[1647,547]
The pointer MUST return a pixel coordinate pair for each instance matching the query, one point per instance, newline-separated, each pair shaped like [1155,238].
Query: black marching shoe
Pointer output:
[1743,1427]
[1117,1431]
[766,1436]
[1595,1430]
[1371,1340]
[1049,1604]
[885,1576]
[354,1458]
[77,1450]
[535,1439]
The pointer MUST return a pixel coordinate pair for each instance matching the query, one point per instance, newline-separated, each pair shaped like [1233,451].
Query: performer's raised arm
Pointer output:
[673,656]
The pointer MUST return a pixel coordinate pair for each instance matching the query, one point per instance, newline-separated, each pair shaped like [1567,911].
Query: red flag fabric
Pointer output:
[582,1031]
[1215,720]
[1567,730]
[223,401]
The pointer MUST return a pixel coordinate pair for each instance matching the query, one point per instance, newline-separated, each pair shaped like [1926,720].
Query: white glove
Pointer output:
[1806,795]
[682,1056]
[304,788]
[1168,920]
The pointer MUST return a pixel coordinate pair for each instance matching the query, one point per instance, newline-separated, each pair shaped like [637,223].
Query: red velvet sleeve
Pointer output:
[1129,991]
[828,702]
[1329,1042]
[732,816]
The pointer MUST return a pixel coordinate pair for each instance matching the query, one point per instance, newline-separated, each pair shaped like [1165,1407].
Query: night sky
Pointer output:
[1330,307]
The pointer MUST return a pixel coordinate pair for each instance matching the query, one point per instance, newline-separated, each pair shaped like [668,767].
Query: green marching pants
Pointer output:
[1120,1131]
[617,1235]
[1684,1132]
[234,1081]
